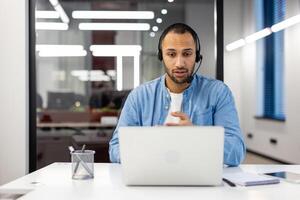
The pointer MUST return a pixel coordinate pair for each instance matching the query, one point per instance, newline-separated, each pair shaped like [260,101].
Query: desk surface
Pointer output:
[75,125]
[55,182]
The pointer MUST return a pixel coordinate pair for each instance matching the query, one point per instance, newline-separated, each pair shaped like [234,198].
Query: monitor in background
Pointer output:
[108,99]
[61,100]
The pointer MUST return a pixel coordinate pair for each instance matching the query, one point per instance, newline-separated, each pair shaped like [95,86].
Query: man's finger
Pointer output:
[181,115]
[172,124]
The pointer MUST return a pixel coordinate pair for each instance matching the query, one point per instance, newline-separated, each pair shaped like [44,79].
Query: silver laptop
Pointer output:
[164,155]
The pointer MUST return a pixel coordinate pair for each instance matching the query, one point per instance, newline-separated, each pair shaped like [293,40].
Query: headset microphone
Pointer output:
[191,77]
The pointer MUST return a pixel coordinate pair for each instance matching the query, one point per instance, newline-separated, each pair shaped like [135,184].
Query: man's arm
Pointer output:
[226,115]
[128,117]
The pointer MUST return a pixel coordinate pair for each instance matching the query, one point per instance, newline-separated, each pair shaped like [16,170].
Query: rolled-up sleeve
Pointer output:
[226,115]
[128,117]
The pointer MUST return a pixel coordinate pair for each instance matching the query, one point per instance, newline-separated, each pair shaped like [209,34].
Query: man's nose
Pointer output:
[179,61]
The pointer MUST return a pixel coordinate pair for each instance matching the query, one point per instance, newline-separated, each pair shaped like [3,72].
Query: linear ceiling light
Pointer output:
[51,26]
[56,5]
[111,72]
[113,14]
[115,50]
[265,32]
[84,72]
[60,50]
[43,47]
[90,75]
[119,51]
[286,23]
[258,35]
[235,45]
[94,78]
[115,26]
[46,14]
[64,17]
[63,53]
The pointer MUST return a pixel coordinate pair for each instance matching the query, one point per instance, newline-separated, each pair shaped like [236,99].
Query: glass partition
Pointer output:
[90,54]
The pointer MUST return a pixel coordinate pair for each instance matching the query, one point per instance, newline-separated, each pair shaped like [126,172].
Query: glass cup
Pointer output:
[82,164]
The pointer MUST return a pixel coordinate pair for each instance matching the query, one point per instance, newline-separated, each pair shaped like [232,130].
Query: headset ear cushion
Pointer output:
[159,55]
[197,56]
[200,57]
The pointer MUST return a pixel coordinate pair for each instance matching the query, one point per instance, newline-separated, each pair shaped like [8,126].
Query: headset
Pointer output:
[195,37]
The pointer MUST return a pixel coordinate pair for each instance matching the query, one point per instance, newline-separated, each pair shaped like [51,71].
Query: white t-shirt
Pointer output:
[176,102]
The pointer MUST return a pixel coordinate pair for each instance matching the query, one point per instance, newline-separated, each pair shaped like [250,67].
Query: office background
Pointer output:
[85,85]
[274,138]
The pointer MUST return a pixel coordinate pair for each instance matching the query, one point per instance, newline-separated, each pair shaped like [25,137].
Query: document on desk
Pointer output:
[249,179]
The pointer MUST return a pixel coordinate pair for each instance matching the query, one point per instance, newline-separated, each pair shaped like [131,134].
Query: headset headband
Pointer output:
[187,29]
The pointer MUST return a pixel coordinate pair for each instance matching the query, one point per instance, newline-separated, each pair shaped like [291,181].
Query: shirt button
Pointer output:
[166,107]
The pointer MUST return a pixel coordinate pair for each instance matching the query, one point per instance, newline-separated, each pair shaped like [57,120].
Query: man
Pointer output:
[181,97]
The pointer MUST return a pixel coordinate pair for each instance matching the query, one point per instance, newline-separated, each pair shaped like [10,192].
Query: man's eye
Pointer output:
[171,54]
[187,54]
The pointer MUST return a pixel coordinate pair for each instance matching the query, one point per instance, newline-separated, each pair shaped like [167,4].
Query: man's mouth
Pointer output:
[180,73]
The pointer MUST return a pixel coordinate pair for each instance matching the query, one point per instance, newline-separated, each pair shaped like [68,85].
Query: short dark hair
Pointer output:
[179,28]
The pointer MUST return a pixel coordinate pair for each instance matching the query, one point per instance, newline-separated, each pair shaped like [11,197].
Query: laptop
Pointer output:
[172,155]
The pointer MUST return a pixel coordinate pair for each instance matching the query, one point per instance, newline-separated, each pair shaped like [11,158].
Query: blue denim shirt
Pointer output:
[206,101]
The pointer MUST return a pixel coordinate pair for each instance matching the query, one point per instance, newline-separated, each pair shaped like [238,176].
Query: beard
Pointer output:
[173,77]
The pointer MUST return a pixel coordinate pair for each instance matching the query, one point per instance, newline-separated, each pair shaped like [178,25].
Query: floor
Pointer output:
[252,158]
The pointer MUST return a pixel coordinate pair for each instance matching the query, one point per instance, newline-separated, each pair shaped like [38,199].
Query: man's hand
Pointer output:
[184,120]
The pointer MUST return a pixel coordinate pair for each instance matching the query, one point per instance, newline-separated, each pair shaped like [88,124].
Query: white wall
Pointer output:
[14,90]
[240,73]
[233,24]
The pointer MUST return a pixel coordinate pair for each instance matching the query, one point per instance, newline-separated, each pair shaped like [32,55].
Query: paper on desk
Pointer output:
[250,179]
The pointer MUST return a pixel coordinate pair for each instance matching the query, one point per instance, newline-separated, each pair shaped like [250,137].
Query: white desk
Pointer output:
[54,182]
[75,125]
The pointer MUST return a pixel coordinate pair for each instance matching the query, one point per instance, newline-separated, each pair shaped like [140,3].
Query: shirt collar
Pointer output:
[187,92]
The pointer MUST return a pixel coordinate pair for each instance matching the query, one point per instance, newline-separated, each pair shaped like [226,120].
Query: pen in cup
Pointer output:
[81,161]
[77,164]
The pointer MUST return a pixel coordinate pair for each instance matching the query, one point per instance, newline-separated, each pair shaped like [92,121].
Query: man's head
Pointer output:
[179,49]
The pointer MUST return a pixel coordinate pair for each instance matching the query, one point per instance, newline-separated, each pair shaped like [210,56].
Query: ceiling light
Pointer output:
[113,14]
[64,17]
[155,28]
[79,72]
[152,34]
[94,78]
[115,50]
[111,72]
[51,26]
[46,50]
[56,5]
[235,45]
[45,14]
[258,35]
[62,53]
[164,11]
[286,23]
[87,72]
[159,20]
[45,47]
[115,26]
[53,2]
[170,1]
